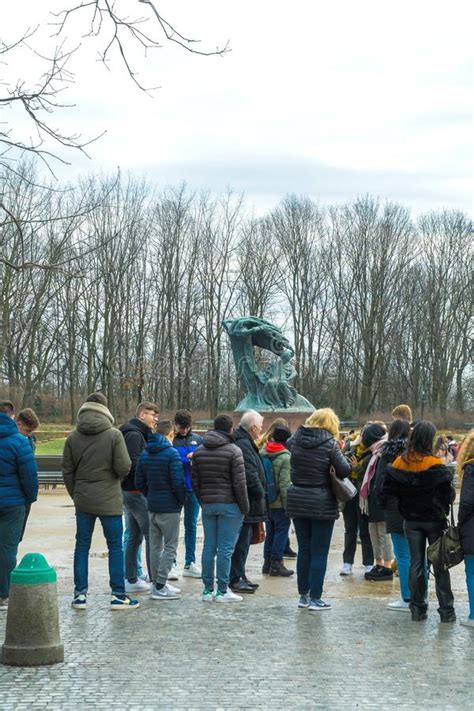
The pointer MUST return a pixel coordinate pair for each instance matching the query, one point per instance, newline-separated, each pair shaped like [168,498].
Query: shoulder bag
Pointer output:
[446,552]
[343,489]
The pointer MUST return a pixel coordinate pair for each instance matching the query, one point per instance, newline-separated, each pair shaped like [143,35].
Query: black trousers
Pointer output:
[418,534]
[240,554]
[355,520]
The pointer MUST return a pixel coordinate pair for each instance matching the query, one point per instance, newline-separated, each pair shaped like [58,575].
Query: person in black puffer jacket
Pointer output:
[218,477]
[424,489]
[393,448]
[310,500]
[244,437]
[466,517]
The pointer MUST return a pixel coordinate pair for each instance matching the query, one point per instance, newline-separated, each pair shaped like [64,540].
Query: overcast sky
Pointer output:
[327,99]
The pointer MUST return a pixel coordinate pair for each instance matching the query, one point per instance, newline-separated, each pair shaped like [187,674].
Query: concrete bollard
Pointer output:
[32,633]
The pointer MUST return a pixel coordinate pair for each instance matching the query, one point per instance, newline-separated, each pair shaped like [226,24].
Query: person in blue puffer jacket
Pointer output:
[186,442]
[159,476]
[18,489]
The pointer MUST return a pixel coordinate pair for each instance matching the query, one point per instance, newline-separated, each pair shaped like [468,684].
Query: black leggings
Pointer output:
[418,534]
[355,520]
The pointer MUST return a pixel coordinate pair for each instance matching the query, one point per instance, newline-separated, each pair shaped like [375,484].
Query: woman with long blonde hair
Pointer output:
[310,500]
[465,467]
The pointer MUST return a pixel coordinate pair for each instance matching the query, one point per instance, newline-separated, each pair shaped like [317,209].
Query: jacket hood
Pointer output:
[417,464]
[217,438]
[134,425]
[394,447]
[311,437]
[423,472]
[94,418]
[272,448]
[156,442]
[7,425]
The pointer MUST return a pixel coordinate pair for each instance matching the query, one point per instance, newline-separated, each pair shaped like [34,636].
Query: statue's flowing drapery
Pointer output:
[267,388]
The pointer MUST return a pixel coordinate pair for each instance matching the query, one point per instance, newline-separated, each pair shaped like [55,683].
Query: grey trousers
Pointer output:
[164,535]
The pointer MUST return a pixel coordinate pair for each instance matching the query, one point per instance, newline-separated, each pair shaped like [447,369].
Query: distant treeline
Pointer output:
[111,284]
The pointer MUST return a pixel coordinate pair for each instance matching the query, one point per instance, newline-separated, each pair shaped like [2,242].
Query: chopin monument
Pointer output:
[267,389]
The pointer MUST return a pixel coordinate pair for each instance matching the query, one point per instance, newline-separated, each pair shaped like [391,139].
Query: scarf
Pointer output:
[376,449]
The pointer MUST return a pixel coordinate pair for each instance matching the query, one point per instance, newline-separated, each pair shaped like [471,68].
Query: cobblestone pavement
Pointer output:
[263,653]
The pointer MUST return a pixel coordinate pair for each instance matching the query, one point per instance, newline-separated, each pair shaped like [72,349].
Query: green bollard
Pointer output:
[32,633]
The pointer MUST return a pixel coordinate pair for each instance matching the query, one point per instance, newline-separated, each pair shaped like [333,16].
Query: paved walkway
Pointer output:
[261,654]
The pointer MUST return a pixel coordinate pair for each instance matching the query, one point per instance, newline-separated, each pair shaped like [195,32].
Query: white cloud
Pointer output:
[378,93]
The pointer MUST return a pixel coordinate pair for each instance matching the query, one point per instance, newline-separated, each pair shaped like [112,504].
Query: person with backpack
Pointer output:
[276,461]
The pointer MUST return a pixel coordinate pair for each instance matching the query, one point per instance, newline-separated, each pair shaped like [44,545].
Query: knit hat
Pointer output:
[372,433]
[281,434]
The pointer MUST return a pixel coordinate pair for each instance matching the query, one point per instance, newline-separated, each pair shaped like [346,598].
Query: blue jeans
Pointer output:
[402,556]
[113,529]
[276,528]
[191,515]
[126,536]
[11,527]
[136,519]
[314,539]
[221,524]
[469,566]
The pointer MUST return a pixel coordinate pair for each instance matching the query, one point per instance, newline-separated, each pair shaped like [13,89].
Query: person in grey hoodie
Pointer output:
[95,460]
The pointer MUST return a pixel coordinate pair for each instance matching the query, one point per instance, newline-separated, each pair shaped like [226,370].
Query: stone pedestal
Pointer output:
[32,632]
[295,419]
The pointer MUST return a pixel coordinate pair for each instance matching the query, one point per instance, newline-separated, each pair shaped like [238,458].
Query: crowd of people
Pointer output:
[249,487]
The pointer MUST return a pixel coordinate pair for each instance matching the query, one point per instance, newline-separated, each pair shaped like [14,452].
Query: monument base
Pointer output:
[250,402]
[294,419]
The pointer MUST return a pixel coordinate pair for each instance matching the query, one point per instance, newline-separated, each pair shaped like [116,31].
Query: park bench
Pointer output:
[49,469]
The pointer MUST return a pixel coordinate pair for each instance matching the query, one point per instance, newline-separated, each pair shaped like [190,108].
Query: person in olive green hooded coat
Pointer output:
[95,460]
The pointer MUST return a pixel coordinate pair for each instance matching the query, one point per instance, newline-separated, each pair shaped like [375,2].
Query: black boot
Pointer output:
[447,616]
[278,569]
[266,566]
[289,553]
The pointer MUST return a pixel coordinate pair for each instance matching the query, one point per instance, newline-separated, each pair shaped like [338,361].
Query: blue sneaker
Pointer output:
[318,605]
[123,603]
[79,602]
[303,601]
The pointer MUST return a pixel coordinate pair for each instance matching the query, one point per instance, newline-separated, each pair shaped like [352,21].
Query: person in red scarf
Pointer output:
[278,523]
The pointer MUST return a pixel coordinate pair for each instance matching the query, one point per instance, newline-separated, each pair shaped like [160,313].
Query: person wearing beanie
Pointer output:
[275,455]
[95,461]
[374,436]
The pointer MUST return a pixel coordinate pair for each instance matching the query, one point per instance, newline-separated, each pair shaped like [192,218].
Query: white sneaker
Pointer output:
[208,595]
[346,569]
[191,571]
[367,568]
[228,596]
[138,587]
[399,605]
[172,588]
[467,623]
[144,576]
[173,574]
[163,594]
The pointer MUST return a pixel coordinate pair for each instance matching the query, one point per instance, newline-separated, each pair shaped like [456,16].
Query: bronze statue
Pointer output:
[267,389]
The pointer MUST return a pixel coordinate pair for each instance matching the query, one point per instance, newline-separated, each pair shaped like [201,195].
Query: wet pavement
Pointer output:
[262,653]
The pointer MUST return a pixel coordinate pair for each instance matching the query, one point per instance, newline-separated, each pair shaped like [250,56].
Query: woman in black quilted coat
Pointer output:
[310,502]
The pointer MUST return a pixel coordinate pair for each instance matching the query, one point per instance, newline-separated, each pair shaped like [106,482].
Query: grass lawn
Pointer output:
[54,446]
